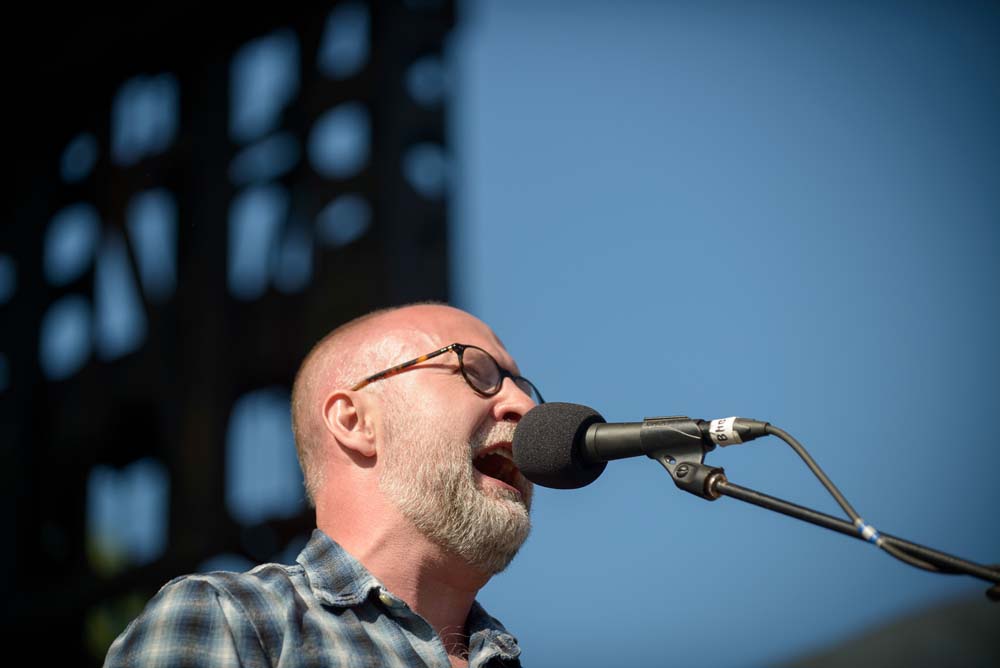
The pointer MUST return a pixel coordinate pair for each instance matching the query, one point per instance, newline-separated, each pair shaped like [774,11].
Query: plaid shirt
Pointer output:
[326,610]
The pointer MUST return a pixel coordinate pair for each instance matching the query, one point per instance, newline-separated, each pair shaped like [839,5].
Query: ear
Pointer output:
[347,418]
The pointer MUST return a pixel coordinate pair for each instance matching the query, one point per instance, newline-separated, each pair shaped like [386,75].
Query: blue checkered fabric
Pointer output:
[326,610]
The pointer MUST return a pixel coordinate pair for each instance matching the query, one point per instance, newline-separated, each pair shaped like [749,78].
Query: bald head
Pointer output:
[355,350]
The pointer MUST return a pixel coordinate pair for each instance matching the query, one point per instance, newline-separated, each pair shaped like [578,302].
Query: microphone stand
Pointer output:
[685,464]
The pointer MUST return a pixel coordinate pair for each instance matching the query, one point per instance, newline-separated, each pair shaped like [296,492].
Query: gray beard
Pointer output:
[430,479]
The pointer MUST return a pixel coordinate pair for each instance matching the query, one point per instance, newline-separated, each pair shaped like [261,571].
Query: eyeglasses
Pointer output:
[482,373]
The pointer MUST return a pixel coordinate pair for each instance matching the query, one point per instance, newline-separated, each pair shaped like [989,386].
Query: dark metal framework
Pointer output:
[171,399]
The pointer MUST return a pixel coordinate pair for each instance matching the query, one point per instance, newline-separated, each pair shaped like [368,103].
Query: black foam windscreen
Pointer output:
[546,445]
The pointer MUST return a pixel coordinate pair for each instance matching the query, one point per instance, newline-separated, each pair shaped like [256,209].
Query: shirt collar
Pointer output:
[487,635]
[338,579]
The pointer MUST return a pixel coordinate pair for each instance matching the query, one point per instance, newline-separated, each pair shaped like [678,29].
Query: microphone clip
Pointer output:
[697,478]
[683,458]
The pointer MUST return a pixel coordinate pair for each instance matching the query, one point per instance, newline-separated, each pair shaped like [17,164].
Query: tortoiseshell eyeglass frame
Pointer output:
[459,349]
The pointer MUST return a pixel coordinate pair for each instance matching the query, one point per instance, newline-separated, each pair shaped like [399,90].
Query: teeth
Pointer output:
[506,470]
[504,452]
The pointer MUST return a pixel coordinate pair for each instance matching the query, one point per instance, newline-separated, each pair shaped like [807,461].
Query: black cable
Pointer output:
[911,560]
[817,471]
[948,563]
[847,507]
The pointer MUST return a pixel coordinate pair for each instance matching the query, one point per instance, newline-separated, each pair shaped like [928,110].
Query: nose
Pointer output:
[511,402]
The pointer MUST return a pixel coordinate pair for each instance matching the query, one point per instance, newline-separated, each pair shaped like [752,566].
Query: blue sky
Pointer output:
[787,211]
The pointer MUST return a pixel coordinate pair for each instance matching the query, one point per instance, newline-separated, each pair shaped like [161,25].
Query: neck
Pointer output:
[436,584]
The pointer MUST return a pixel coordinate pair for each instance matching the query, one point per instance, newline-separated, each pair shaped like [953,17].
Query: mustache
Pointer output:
[491,434]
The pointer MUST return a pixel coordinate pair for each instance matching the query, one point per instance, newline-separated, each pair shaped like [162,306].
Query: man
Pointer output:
[404,441]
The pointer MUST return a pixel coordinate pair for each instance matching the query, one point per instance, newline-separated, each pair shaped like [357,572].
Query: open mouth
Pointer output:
[497,462]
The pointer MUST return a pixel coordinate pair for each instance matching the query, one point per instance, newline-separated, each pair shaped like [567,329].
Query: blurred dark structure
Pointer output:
[958,632]
[355,219]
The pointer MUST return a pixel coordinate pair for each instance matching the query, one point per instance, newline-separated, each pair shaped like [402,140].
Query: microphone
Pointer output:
[566,446]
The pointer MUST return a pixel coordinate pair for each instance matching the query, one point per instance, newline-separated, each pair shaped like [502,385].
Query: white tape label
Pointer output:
[722,431]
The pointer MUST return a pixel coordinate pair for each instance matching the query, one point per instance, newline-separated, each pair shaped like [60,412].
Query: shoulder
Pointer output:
[209,619]
[183,624]
[254,593]
[262,587]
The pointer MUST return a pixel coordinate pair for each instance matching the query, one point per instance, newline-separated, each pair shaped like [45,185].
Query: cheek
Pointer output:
[446,404]
[427,407]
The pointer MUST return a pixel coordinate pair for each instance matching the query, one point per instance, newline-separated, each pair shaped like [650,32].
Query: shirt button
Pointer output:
[390,601]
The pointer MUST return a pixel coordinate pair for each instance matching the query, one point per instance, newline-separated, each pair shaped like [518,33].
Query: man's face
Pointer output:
[436,425]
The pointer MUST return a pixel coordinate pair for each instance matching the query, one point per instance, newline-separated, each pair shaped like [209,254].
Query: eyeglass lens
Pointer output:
[481,370]
[483,373]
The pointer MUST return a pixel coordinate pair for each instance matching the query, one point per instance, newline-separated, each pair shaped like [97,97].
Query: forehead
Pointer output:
[424,329]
